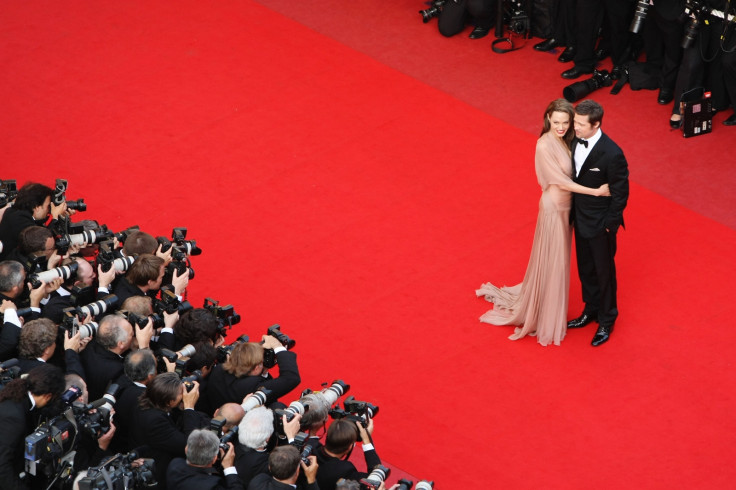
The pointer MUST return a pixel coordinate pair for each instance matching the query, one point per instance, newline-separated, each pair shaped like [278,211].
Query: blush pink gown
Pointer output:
[539,303]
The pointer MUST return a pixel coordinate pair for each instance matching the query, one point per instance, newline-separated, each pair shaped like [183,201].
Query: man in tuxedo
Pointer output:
[284,465]
[197,471]
[597,160]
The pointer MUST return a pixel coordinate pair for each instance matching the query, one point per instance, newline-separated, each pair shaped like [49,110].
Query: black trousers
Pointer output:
[455,15]
[597,272]
[615,16]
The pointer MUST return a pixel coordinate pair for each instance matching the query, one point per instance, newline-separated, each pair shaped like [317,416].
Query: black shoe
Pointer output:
[665,96]
[479,32]
[602,335]
[731,121]
[567,55]
[676,123]
[575,72]
[548,45]
[601,54]
[582,320]
[616,72]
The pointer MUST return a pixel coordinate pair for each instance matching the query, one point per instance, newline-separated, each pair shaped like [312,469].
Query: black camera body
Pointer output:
[269,356]
[226,315]
[224,351]
[515,15]
[169,303]
[118,472]
[578,90]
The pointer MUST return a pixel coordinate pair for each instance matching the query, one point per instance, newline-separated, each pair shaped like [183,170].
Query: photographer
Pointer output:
[145,276]
[154,426]
[314,420]
[197,472]
[456,14]
[84,278]
[284,464]
[243,373]
[139,370]
[103,357]
[32,208]
[38,343]
[20,401]
[251,452]
[196,325]
[333,456]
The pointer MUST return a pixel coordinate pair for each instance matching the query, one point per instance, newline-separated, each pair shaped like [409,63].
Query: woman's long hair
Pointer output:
[560,105]
[41,380]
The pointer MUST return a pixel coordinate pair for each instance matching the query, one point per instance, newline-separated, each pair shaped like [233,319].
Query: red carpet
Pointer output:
[359,205]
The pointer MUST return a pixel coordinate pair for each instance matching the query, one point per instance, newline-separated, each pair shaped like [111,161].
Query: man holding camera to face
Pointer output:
[197,471]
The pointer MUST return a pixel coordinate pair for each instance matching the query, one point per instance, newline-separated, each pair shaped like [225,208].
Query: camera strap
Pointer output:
[497,49]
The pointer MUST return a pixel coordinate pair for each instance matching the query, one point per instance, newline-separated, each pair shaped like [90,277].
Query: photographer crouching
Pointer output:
[455,14]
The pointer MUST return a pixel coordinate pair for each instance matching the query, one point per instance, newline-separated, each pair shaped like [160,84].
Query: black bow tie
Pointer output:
[583,142]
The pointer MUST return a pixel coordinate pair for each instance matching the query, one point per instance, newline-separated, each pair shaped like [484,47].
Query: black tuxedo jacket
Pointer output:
[265,481]
[157,436]
[605,164]
[181,476]
[9,337]
[15,424]
[101,366]
[223,387]
[331,469]
[125,409]
[250,463]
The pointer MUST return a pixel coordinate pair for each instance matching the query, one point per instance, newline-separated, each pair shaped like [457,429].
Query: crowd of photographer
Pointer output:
[689,46]
[111,379]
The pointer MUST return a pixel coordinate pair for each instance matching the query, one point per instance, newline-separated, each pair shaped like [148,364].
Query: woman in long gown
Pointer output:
[539,304]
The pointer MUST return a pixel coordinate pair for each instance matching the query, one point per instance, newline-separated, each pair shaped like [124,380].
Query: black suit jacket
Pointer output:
[14,221]
[101,366]
[223,387]
[15,425]
[605,164]
[125,410]
[250,463]
[158,437]
[331,469]
[181,476]
[265,481]
[9,337]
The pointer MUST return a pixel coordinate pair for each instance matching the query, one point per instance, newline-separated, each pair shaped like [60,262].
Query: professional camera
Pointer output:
[578,90]
[70,323]
[64,272]
[695,12]
[123,235]
[226,315]
[169,302]
[640,15]
[365,410]
[514,14]
[224,351]
[376,477]
[188,381]
[185,352]
[217,426]
[141,321]
[108,258]
[269,356]
[435,7]
[60,197]
[120,472]
[182,248]
[294,408]
[95,309]
[8,192]
[88,236]
[9,370]
[333,392]
[257,400]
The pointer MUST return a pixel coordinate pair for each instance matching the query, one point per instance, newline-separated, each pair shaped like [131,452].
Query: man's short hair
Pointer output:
[139,305]
[35,337]
[256,428]
[145,268]
[111,331]
[11,275]
[318,411]
[243,358]
[139,242]
[205,355]
[341,436]
[283,462]
[343,484]
[197,325]
[202,447]
[139,365]
[32,240]
[592,109]
[32,195]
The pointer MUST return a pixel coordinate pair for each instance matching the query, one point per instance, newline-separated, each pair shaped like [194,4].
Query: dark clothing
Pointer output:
[331,469]
[590,15]
[596,221]
[455,15]
[125,410]
[266,482]
[250,463]
[181,476]
[55,306]
[9,337]
[123,289]
[223,387]
[101,366]
[15,424]
[13,222]
[158,437]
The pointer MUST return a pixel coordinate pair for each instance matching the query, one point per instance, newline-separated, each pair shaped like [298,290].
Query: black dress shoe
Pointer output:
[602,335]
[665,96]
[731,121]
[616,72]
[479,32]
[676,123]
[567,55]
[575,72]
[547,45]
[582,320]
